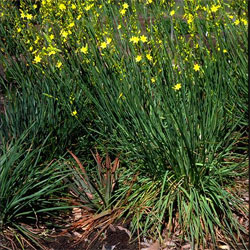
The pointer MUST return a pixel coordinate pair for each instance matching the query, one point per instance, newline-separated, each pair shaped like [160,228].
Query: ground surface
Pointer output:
[117,239]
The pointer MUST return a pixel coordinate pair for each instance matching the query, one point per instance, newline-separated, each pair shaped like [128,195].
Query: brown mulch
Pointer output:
[115,237]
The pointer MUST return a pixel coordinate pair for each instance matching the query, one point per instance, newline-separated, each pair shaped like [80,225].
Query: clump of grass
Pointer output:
[152,80]
[179,127]
[28,189]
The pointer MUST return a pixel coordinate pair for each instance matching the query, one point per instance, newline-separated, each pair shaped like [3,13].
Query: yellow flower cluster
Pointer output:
[105,44]
[124,8]
[53,29]
[136,39]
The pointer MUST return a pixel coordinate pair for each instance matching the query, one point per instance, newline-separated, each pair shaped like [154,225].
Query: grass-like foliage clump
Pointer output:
[161,83]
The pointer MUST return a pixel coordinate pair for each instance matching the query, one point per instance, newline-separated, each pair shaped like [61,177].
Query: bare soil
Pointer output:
[117,239]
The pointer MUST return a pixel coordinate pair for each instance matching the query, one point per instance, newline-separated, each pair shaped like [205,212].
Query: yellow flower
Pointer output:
[134,39]
[64,34]
[71,25]
[224,51]
[244,21]
[231,17]
[37,59]
[84,50]
[125,6]
[108,41]
[237,22]
[149,57]
[73,6]
[172,12]
[62,6]
[74,113]
[123,12]
[59,64]
[214,8]
[143,38]
[23,15]
[138,58]
[119,26]
[153,80]
[190,18]
[34,6]
[196,67]
[51,36]
[149,1]
[177,86]
[19,30]
[29,16]
[103,45]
